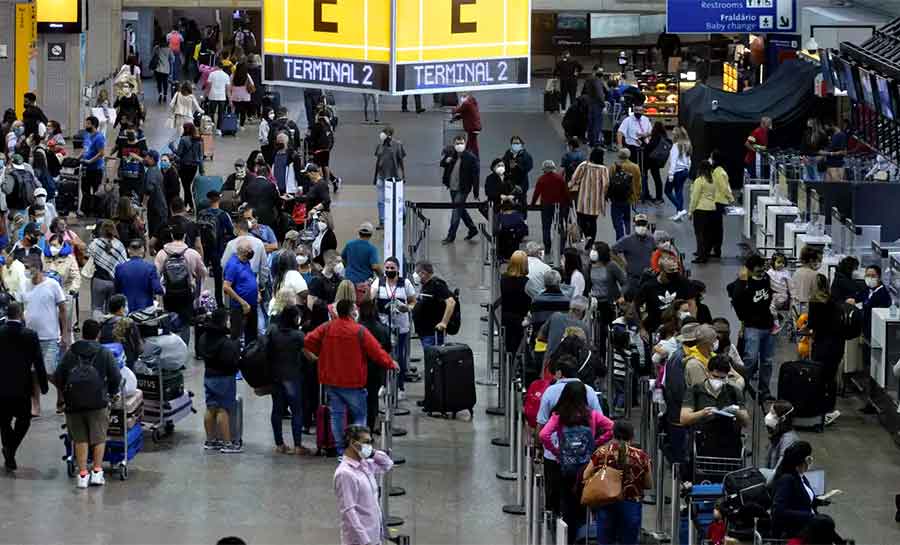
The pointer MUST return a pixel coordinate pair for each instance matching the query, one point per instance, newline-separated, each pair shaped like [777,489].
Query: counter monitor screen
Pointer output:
[849,80]
[885,97]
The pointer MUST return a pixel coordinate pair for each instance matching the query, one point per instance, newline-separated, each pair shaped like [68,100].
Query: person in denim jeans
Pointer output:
[752,299]
[286,352]
[389,156]
[434,305]
[460,177]
[45,314]
[620,204]
[343,349]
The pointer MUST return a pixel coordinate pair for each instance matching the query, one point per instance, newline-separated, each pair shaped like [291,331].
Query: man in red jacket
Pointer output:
[343,349]
[471,119]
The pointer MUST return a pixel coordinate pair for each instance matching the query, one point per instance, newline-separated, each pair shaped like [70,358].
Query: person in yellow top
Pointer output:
[699,343]
[702,210]
[723,198]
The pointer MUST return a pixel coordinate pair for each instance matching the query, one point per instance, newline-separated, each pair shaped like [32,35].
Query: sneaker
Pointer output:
[401,395]
[447,241]
[831,417]
[218,132]
[676,217]
[97,478]
[472,234]
[212,445]
[82,481]
[232,447]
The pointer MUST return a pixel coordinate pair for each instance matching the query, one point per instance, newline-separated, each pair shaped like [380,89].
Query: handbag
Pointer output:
[574,236]
[88,269]
[603,487]
[660,153]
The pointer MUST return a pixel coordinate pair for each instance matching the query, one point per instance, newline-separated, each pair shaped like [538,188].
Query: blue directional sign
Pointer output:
[730,16]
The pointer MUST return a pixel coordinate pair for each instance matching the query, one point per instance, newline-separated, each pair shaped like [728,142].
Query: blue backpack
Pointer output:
[576,444]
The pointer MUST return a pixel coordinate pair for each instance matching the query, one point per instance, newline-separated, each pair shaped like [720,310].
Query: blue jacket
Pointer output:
[791,507]
[138,281]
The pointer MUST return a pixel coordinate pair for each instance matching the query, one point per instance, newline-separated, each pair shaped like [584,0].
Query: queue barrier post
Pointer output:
[757,421]
[676,507]
[511,473]
[505,383]
[385,485]
[660,491]
[537,496]
[524,469]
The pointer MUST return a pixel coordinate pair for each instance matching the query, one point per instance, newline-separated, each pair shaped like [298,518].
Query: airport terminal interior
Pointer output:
[177,491]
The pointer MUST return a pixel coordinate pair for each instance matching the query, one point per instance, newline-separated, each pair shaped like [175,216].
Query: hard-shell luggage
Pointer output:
[66,197]
[449,379]
[134,410]
[116,450]
[802,383]
[173,411]
[202,186]
[551,101]
[325,444]
[236,421]
[173,385]
[229,123]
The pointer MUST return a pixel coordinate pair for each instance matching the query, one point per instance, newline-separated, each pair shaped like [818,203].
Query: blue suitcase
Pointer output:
[116,451]
[202,186]
[229,123]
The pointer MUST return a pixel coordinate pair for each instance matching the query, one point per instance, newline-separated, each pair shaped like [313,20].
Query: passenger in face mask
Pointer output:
[726,347]
[780,427]
[40,199]
[171,180]
[704,403]
[518,163]
[658,292]
[461,178]
[497,188]
[633,252]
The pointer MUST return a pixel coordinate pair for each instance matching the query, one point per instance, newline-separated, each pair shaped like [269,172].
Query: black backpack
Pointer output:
[26,183]
[619,185]
[254,363]
[455,323]
[85,388]
[851,321]
[208,225]
[176,276]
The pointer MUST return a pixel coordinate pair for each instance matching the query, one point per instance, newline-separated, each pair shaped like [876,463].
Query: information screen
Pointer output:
[865,80]
[884,97]
[850,81]
[461,74]
[60,16]
[328,43]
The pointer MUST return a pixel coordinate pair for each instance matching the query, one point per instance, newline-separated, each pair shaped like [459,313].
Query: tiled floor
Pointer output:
[179,494]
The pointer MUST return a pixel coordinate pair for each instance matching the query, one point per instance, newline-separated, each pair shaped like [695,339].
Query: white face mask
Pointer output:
[715,346]
[240,172]
[771,420]
[271,115]
[459,148]
[40,200]
[683,315]
[871,282]
[339,269]
[595,257]
[322,225]
[716,384]
[302,260]
[366,451]
[382,136]
[500,170]
[416,278]
[54,250]
[640,230]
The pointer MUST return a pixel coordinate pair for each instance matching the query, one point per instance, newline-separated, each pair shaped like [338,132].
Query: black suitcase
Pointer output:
[551,101]
[173,385]
[449,380]
[66,197]
[803,384]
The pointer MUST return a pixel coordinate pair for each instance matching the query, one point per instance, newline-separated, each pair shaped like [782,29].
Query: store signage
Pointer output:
[436,44]
[731,16]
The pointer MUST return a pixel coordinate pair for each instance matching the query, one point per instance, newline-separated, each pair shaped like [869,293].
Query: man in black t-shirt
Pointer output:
[261,195]
[180,218]
[434,305]
[323,287]
[659,292]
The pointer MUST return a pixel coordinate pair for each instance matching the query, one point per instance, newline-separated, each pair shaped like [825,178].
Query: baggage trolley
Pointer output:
[164,425]
[69,178]
[713,462]
[118,453]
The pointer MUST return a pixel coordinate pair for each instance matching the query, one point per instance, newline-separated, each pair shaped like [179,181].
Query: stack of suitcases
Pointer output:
[125,435]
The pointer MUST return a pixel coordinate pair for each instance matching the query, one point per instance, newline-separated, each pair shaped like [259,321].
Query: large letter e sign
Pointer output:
[457,26]
[318,24]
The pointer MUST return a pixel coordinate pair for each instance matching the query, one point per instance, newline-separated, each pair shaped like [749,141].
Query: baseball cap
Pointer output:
[40,192]
[549,165]
[32,229]
[240,163]
[366,228]
[292,235]
[640,218]
[17,160]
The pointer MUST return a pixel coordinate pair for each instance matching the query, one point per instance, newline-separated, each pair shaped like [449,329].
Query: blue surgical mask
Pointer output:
[164,165]
[516,148]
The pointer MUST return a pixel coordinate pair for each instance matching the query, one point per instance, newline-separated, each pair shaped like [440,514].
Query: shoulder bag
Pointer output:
[603,487]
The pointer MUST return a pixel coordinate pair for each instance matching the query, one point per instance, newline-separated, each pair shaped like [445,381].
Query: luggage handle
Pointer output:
[439,339]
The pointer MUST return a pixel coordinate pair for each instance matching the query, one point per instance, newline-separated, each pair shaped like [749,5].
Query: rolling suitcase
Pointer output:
[173,385]
[236,421]
[173,411]
[229,123]
[802,383]
[66,197]
[449,379]
[325,444]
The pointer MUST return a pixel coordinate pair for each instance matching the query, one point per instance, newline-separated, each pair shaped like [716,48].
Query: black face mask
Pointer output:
[390,274]
[637,115]
[250,255]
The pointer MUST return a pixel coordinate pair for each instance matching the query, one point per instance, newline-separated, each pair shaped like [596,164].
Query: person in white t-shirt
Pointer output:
[395,297]
[634,133]
[217,93]
[289,283]
[45,313]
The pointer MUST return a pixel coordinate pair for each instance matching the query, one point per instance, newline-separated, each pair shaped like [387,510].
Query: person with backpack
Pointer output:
[89,378]
[22,376]
[220,360]
[190,160]
[551,190]
[623,192]
[107,252]
[343,349]
[216,229]
[620,521]
[182,272]
[18,186]
[578,431]
[565,371]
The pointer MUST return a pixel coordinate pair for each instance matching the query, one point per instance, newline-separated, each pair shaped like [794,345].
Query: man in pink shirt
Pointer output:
[356,488]
[182,272]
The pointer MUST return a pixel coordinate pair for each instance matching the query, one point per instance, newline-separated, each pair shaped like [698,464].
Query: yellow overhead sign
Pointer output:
[449,30]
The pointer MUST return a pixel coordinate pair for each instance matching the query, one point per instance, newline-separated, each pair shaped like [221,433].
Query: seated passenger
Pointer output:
[780,425]
[794,503]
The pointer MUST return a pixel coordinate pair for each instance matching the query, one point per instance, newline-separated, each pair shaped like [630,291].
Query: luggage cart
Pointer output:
[118,452]
[712,464]
[165,421]
[68,187]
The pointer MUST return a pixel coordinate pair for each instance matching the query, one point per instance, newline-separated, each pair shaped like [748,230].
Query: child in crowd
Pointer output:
[780,278]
